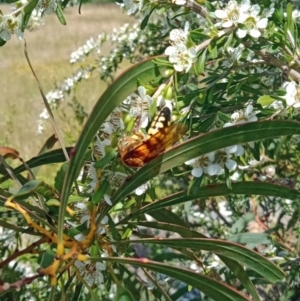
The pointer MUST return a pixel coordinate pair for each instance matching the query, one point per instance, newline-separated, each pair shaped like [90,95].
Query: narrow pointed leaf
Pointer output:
[55,156]
[227,249]
[247,188]
[233,265]
[209,286]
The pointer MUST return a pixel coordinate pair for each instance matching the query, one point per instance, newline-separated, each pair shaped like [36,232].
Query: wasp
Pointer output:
[139,149]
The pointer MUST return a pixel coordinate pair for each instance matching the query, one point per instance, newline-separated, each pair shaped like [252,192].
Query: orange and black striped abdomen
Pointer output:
[162,136]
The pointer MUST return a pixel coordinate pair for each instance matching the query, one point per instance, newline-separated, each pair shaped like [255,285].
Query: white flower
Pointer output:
[178,36]
[252,23]
[114,122]
[90,271]
[223,158]
[9,24]
[181,56]
[240,116]
[44,115]
[201,164]
[232,13]
[133,6]
[179,2]
[100,146]
[142,189]
[292,96]
[233,55]
[47,6]
[140,106]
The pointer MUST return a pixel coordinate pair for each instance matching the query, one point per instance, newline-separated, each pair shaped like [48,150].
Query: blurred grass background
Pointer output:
[49,50]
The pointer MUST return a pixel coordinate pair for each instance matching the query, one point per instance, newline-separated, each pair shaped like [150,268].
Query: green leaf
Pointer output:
[47,258]
[250,238]
[210,287]
[59,178]
[146,19]
[265,100]
[48,145]
[201,62]
[248,188]
[36,186]
[99,194]
[27,13]
[60,15]
[64,4]
[242,223]
[55,156]
[167,226]
[106,159]
[233,265]
[206,143]
[124,85]
[243,277]
[289,16]
[195,185]
[123,294]
[167,216]
[227,249]
[2,42]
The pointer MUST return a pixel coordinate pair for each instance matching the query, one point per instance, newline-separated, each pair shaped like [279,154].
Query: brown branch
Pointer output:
[196,7]
[17,285]
[285,68]
[22,252]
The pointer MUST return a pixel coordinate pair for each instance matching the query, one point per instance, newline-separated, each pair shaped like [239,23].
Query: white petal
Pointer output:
[221,14]
[240,151]
[214,169]
[227,124]
[100,266]
[241,33]
[262,23]
[142,189]
[104,220]
[107,200]
[249,110]
[211,156]
[142,91]
[231,149]
[169,50]
[190,162]
[245,5]
[254,10]
[197,172]
[255,33]
[231,164]
[227,24]
[290,100]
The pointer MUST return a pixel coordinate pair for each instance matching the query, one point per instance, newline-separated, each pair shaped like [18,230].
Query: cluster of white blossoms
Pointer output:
[11,24]
[213,163]
[250,19]
[292,96]
[180,55]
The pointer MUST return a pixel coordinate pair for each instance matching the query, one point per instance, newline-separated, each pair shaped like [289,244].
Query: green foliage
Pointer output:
[109,230]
